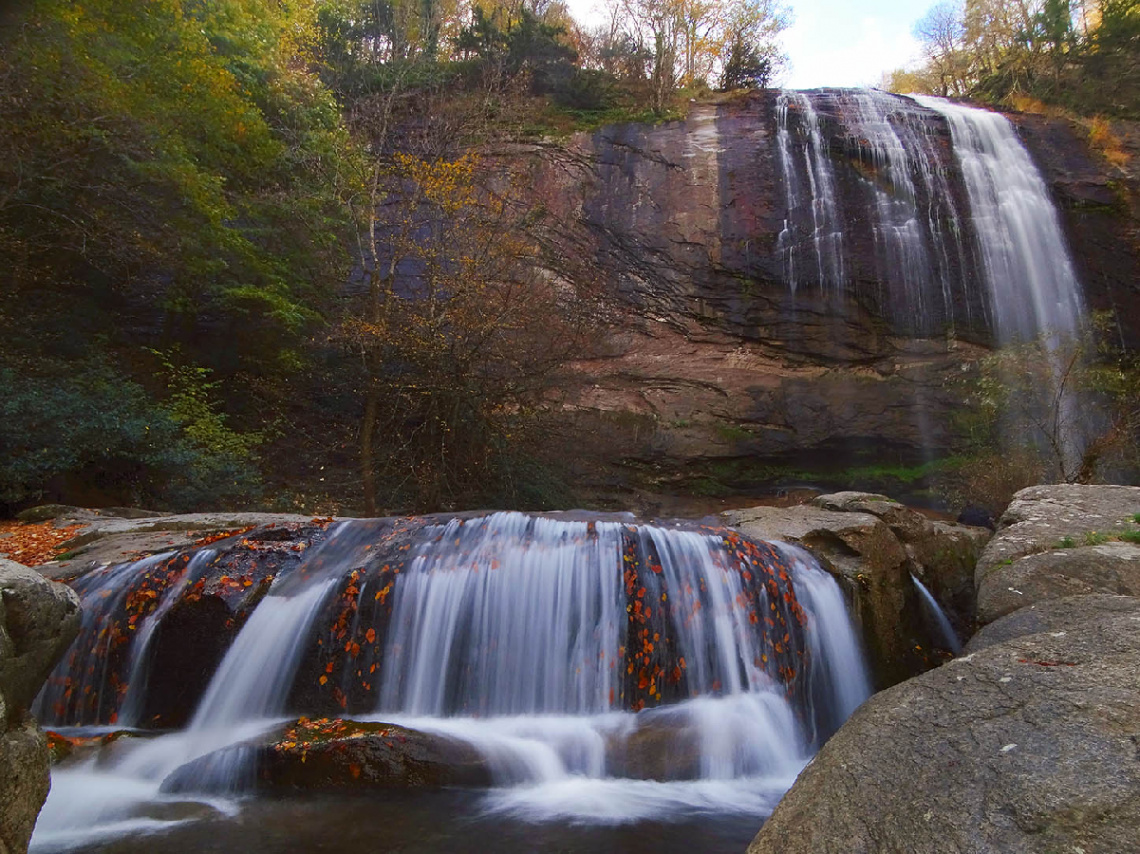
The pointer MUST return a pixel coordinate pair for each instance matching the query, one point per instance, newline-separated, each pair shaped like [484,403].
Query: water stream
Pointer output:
[553,646]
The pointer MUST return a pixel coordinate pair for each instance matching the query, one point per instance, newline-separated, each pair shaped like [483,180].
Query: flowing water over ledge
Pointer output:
[553,647]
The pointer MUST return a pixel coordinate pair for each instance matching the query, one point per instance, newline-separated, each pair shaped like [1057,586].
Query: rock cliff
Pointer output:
[738,358]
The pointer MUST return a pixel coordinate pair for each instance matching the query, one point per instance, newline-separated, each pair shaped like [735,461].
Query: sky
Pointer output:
[839,42]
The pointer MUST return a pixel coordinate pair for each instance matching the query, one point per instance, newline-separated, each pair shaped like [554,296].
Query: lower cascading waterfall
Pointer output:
[557,647]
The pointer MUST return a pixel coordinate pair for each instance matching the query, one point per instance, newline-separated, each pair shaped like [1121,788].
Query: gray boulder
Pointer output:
[1040,517]
[1053,615]
[1046,547]
[24,783]
[1112,567]
[1029,745]
[38,621]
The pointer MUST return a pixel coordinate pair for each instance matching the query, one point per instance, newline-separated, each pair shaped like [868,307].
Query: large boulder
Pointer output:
[24,783]
[1052,615]
[1112,567]
[1029,745]
[1041,517]
[1055,541]
[38,621]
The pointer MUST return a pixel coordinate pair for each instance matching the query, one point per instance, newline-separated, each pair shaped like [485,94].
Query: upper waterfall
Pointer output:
[943,197]
[1028,271]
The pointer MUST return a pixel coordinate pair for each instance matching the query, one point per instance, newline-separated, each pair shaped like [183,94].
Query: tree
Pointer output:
[169,176]
[941,33]
[751,33]
[459,331]
[1055,409]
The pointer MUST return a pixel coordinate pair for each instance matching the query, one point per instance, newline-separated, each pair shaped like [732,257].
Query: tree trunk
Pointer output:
[367,452]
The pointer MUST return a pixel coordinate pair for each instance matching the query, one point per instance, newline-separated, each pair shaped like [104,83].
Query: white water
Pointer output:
[88,656]
[827,220]
[1032,286]
[508,614]
[947,637]
[1033,289]
[503,633]
[132,708]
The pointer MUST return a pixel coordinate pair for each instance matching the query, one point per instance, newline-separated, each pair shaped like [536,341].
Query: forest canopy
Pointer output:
[1083,55]
[244,230]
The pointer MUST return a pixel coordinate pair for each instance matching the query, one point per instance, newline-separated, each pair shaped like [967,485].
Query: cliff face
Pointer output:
[746,353]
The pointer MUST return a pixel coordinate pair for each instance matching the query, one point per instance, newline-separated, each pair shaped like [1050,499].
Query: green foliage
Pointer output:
[746,68]
[171,171]
[1055,409]
[1056,51]
[85,430]
[193,405]
[182,163]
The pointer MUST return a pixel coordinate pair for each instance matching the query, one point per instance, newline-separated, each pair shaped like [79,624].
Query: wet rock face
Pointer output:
[718,359]
[1100,206]
[1028,745]
[349,755]
[334,755]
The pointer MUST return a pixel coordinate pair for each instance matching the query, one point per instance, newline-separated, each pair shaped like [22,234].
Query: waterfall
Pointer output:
[945,633]
[848,151]
[1028,271]
[865,178]
[821,196]
[557,647]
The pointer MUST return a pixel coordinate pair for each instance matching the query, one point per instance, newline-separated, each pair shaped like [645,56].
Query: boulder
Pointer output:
[38,621]
[24,783]
[1112,567]
[1050,543]
[1053,615]
[943,555]
[336,755]
[1041,517]
[1029,745]
[660,748]
[48,512]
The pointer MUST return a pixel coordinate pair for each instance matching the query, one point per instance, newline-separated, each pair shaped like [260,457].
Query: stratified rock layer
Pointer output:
[722,372]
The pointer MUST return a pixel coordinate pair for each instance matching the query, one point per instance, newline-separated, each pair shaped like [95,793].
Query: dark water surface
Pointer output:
[425,824]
